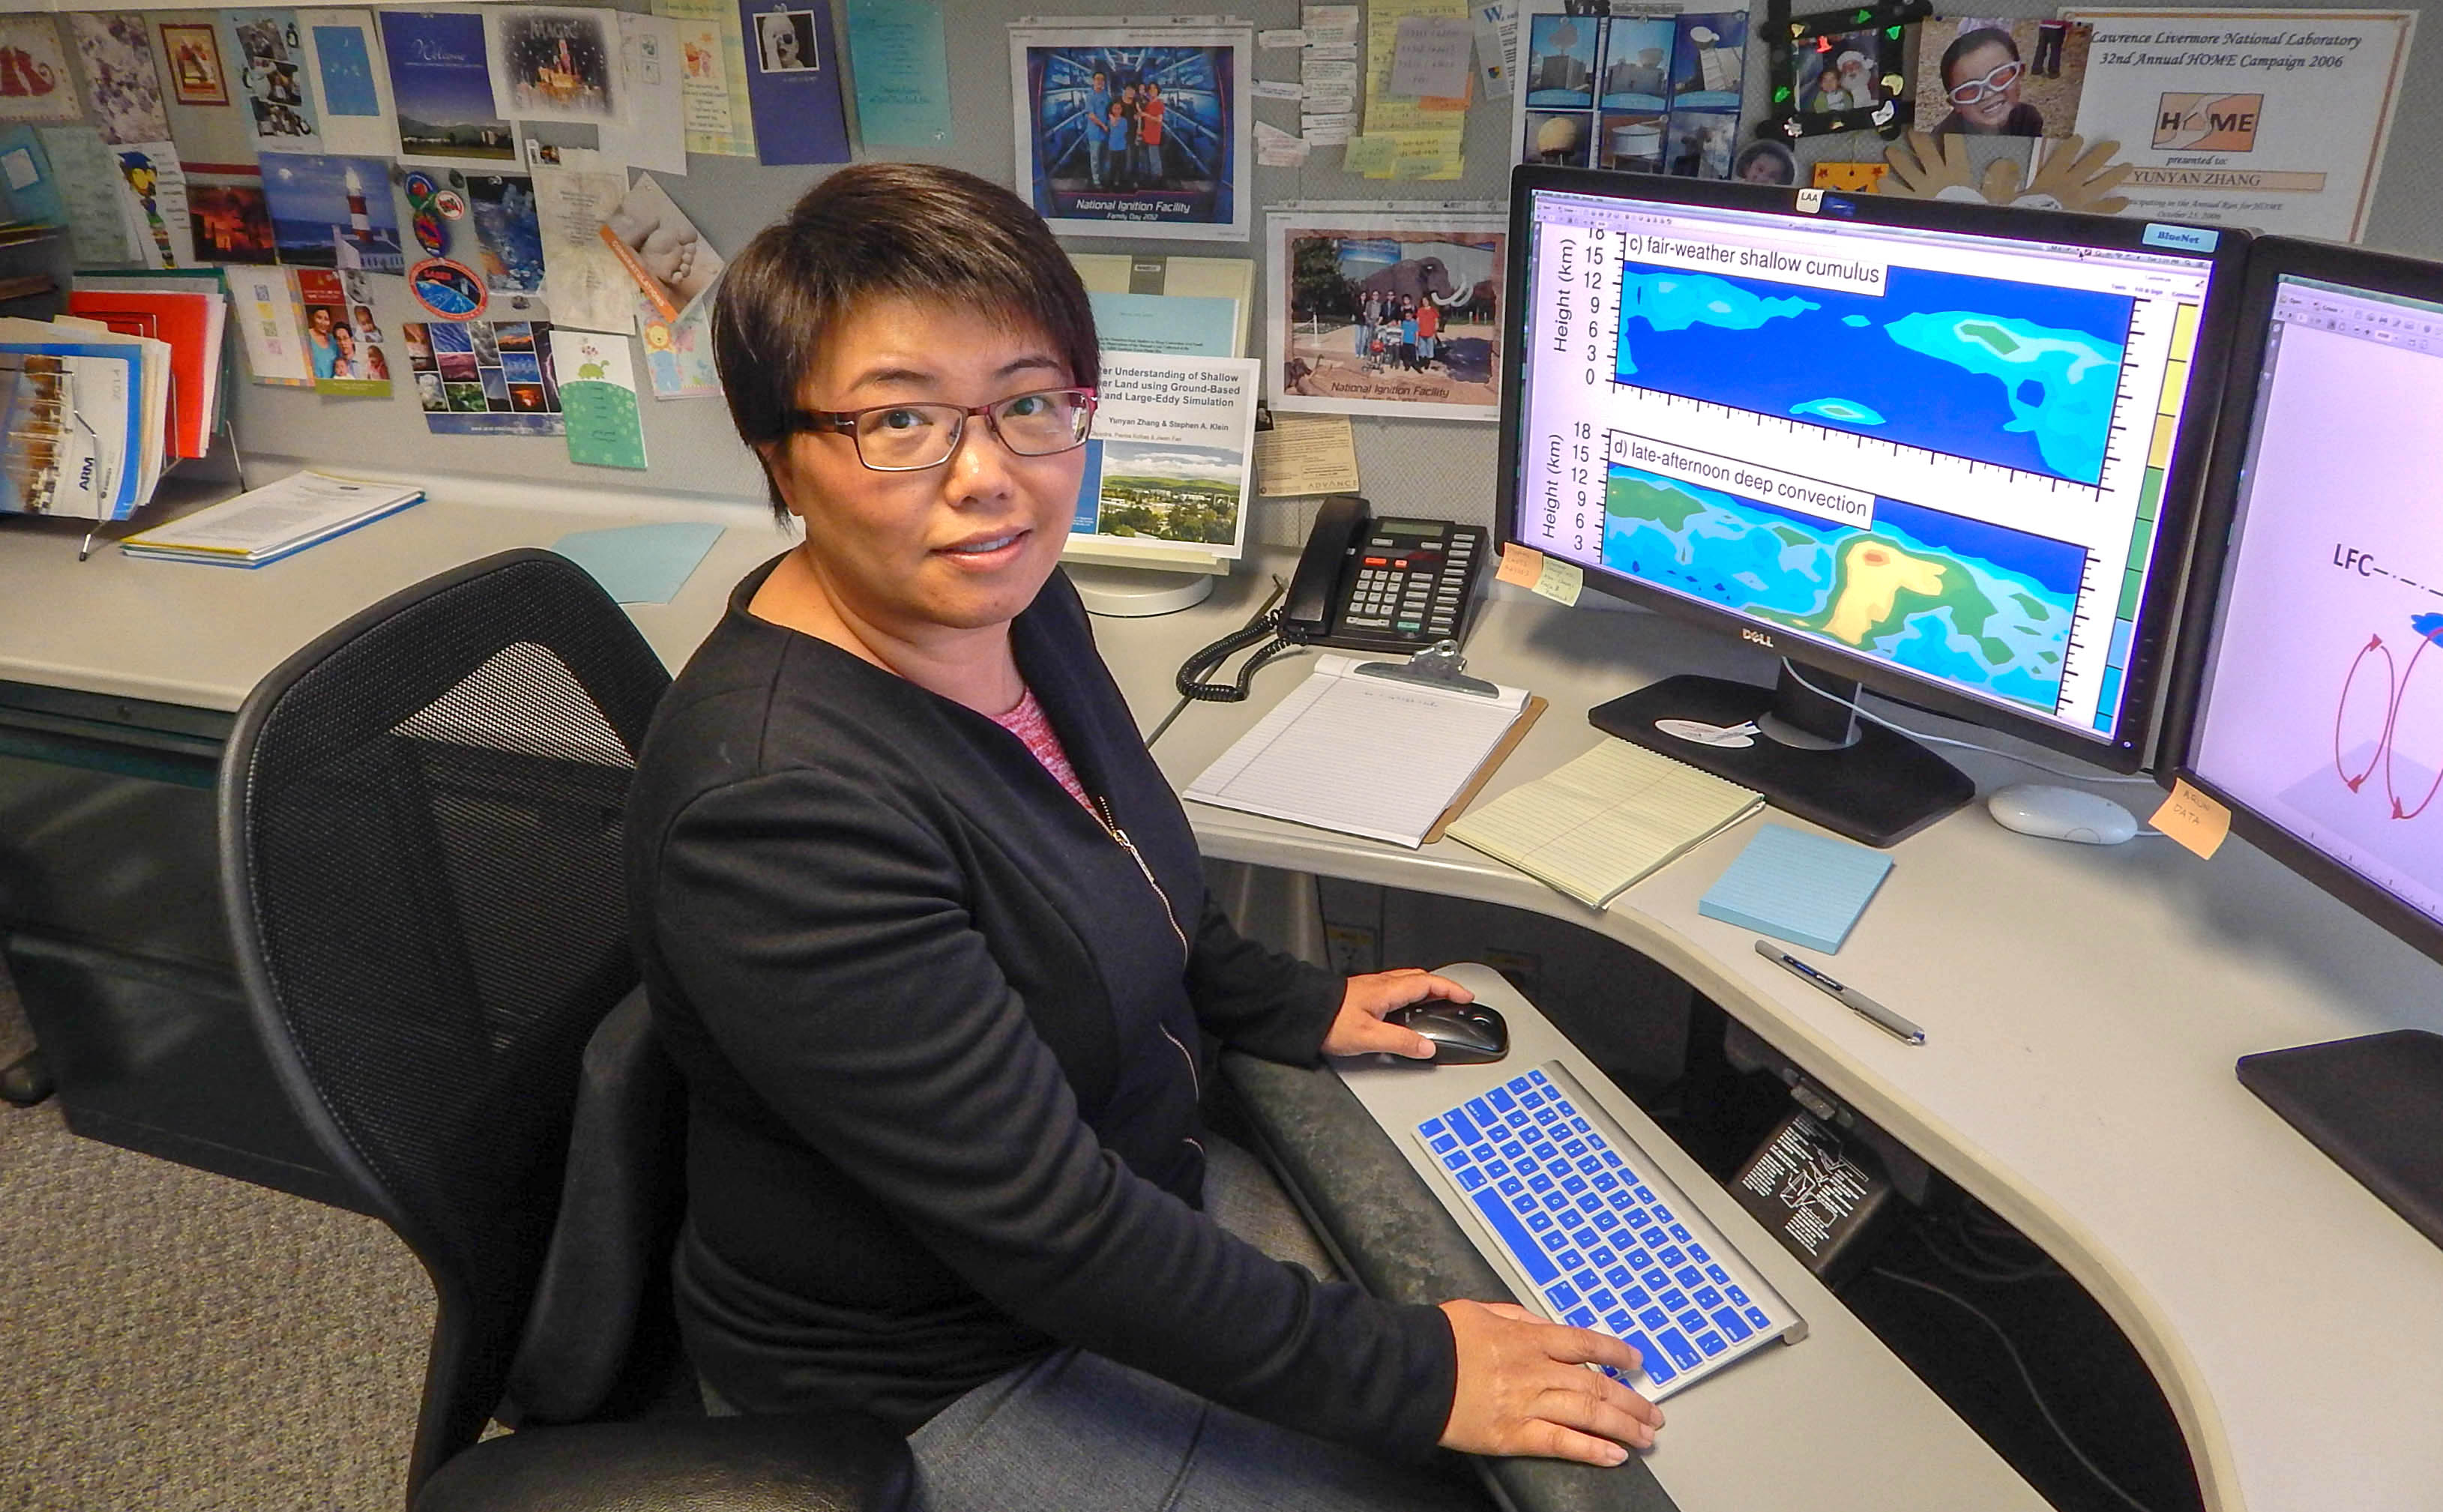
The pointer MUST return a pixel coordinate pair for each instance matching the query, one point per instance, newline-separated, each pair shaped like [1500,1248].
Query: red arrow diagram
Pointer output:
[2391,724]
[2391,706]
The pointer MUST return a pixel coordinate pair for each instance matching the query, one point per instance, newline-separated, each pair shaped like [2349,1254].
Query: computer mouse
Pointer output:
[1465,1033]
[2060,814]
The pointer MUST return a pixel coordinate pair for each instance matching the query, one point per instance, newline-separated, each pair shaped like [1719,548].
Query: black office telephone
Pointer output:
[1363,583]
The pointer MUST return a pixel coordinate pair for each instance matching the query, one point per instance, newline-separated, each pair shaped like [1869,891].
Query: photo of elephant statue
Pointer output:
[1391,321]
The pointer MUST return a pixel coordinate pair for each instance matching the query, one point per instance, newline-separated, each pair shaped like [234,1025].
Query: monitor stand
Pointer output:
[1809,755]
[1136,593]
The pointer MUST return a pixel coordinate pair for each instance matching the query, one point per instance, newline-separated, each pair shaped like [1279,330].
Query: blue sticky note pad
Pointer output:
[640,563]
[1793,885]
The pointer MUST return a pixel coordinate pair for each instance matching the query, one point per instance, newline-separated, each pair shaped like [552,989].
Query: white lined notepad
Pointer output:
[1361,754]
[1599,823]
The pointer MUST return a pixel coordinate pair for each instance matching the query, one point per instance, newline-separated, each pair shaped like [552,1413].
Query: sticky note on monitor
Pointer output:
[1798,886]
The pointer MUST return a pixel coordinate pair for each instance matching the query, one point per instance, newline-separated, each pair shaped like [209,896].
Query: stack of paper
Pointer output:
[1367,755]
[1798,886]
[271,523]
[1605,820]
[89,416]
[193,322]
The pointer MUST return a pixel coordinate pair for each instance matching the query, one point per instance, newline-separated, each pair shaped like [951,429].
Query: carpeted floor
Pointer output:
[173,1341]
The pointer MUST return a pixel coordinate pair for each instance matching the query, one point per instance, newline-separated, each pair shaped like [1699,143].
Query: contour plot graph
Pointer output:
[1956,599]
[1890,365]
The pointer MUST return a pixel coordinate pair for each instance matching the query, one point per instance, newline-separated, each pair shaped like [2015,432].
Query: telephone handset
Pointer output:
[1363,583]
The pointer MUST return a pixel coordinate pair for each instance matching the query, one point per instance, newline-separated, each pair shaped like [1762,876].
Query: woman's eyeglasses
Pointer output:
[1974,90]
[911,437]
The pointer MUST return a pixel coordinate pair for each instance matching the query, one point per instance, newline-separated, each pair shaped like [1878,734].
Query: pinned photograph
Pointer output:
[342,344]
[1700,143]
[1838,74]
[193,53]
[1708,58]
[486,380]
[509,237]
[784,41]
[122,83]
[1765,163]
[1630,143]
[1387,314]
[1557,139]
[34,72]
[232,224]
[333,213]
[661,249]
[557,65]
[1133,131]
[1559,73]
[1979,76]
[1637,65]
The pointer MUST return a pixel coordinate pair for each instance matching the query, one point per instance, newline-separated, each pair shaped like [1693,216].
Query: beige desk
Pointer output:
[2083,1006]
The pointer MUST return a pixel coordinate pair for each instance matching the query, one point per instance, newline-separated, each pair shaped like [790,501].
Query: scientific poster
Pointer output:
[2274,120]
[33,71]
[1135,131]
[1171,457]
[1389,309]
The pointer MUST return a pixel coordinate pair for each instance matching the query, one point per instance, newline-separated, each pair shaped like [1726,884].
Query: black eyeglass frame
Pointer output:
[843,422]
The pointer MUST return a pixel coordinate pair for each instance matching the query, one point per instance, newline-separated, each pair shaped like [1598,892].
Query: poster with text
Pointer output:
[1394,310]
[2274,120]
[441,84]
[1135,131]
[1170,460]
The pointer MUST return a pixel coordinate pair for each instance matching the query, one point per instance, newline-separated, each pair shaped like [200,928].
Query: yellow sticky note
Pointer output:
[1370,155]
[2197,822]
[1523,565]
[1561,581]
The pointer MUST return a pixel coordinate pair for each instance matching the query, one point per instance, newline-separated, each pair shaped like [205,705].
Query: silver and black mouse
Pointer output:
[1465,1033]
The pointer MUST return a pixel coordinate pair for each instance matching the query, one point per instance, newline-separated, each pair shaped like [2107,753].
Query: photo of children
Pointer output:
[1765,163]
[1118,136]
[1840,73]
[272,65]
[1982,77]
[1388,315]
[342,348]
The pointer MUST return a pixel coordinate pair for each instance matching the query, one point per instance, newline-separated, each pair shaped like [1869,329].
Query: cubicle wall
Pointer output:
[1424,467]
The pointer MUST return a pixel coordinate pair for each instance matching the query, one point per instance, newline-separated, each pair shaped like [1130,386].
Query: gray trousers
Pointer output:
[1076,1432]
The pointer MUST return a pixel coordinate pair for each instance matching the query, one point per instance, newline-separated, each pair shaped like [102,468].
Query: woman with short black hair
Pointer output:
[924,928]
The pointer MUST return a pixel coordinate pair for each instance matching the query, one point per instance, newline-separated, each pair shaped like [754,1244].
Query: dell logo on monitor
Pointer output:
[1758,636]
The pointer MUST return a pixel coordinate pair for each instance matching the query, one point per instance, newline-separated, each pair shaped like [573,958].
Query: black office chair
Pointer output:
[420,835]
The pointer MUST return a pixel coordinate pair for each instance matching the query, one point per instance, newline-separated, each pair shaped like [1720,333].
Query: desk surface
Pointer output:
[2082,1004]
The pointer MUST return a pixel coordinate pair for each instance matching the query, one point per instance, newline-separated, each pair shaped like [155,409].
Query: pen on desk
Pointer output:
[1855,1001]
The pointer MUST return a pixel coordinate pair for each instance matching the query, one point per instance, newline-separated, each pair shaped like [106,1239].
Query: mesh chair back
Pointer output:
[420,829]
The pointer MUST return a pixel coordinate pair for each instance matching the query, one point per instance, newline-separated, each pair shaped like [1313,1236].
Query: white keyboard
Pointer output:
[1573,1207]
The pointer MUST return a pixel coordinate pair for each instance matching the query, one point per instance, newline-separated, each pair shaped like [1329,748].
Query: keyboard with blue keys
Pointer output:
[1602,1239]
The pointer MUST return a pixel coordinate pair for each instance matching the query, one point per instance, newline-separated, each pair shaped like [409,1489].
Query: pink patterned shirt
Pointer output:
[1027,722]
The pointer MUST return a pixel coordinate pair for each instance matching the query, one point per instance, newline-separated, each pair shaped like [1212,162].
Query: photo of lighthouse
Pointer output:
[333,213]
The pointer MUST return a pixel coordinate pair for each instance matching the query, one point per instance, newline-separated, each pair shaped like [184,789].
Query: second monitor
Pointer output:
[1943,450]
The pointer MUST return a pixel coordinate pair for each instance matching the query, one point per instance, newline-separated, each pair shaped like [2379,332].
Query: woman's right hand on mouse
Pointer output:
[1524,1389]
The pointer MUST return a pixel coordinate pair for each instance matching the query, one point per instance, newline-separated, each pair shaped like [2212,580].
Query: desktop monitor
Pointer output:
[2308,696]
[1939,451]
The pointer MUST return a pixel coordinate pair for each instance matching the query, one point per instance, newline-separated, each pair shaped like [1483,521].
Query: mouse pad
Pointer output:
[2375,1105]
